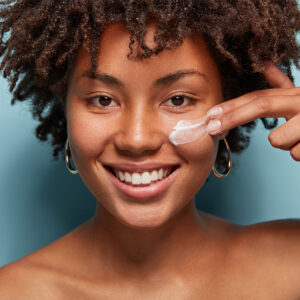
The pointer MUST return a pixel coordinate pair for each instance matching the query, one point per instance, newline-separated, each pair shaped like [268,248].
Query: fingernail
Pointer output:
[215,111]
[213,125]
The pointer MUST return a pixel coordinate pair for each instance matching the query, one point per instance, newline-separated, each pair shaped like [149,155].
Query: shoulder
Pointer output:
[270,250]
[31,278]
[279,239]
[258,261]
[274,236]
[22,279]
[48,273]
[278,236]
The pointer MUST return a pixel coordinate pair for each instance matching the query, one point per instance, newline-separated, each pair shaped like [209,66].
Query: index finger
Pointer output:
[275,77]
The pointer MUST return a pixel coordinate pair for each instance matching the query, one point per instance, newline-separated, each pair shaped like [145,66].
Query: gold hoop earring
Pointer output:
[67,158]
[216,173]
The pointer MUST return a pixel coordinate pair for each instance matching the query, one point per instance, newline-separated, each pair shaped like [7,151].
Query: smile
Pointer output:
[142,185]
[142,178]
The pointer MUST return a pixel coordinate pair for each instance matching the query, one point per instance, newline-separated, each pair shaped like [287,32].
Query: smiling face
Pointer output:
[123,118]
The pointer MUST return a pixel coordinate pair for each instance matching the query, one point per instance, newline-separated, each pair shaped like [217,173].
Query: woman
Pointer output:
[109,80]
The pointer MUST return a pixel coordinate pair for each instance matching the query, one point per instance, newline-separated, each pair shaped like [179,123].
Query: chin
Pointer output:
[141,217]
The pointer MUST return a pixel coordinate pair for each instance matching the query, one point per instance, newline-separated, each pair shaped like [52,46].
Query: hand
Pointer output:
[282,100]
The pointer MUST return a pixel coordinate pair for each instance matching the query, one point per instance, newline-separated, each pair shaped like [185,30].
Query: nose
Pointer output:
[138,133]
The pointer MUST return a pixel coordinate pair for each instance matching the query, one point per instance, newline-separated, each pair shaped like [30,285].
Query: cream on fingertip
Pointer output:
[215,111]
[213,125]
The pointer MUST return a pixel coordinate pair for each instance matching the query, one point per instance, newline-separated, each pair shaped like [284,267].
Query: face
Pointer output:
[123,118]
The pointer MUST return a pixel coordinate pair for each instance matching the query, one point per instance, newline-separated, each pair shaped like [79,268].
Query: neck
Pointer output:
[141,251]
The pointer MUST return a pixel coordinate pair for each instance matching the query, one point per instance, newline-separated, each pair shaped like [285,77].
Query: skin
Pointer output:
[282,101]
[163,248]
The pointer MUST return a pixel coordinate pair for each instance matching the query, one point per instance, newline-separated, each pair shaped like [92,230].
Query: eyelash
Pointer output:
[191,100]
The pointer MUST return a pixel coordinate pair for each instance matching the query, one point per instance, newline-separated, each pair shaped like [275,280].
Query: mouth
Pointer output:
[143,185]
[139,178]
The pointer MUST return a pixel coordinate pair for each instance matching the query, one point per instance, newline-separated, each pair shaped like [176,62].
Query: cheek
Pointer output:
[200,154]
[88,133]
[199,157]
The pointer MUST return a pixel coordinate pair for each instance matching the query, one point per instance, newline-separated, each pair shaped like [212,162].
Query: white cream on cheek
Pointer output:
[187,131]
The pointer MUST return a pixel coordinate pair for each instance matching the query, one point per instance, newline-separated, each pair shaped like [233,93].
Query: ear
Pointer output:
[223,135]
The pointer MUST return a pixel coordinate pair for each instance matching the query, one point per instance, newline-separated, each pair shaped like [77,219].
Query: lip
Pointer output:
[144,192]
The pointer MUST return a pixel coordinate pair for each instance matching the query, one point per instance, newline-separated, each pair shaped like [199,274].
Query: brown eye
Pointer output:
[104,100]
[177,100]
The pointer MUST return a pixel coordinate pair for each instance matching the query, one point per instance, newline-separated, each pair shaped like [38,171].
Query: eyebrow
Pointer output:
[163,81]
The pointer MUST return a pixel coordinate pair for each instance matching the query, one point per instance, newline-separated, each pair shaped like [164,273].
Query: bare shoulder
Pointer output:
[35,276]
[23,279]
[270,251]
[280,237]
[48,273]
[30,277]
[264,257]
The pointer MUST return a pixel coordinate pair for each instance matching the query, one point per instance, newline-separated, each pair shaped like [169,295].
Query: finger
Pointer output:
[275,106]
[287,135]
[275,77]
[232,104]
[295,152]
[229,105]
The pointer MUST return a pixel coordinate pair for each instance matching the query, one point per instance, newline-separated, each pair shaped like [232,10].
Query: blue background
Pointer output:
[41,201]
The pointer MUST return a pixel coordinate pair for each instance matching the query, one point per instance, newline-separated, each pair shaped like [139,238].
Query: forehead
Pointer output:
[114,48]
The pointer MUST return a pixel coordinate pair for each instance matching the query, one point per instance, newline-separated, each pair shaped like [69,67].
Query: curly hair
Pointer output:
[40,38]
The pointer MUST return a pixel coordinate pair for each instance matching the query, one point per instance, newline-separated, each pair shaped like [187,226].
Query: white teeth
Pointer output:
[142,178]
[154,175]
[146,178]
[160,173]
[121,175]
[127,177]
[165,172]
[136,178]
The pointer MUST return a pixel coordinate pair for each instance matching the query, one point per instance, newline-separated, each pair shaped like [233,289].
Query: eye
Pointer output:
[102,101]
[179,101]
